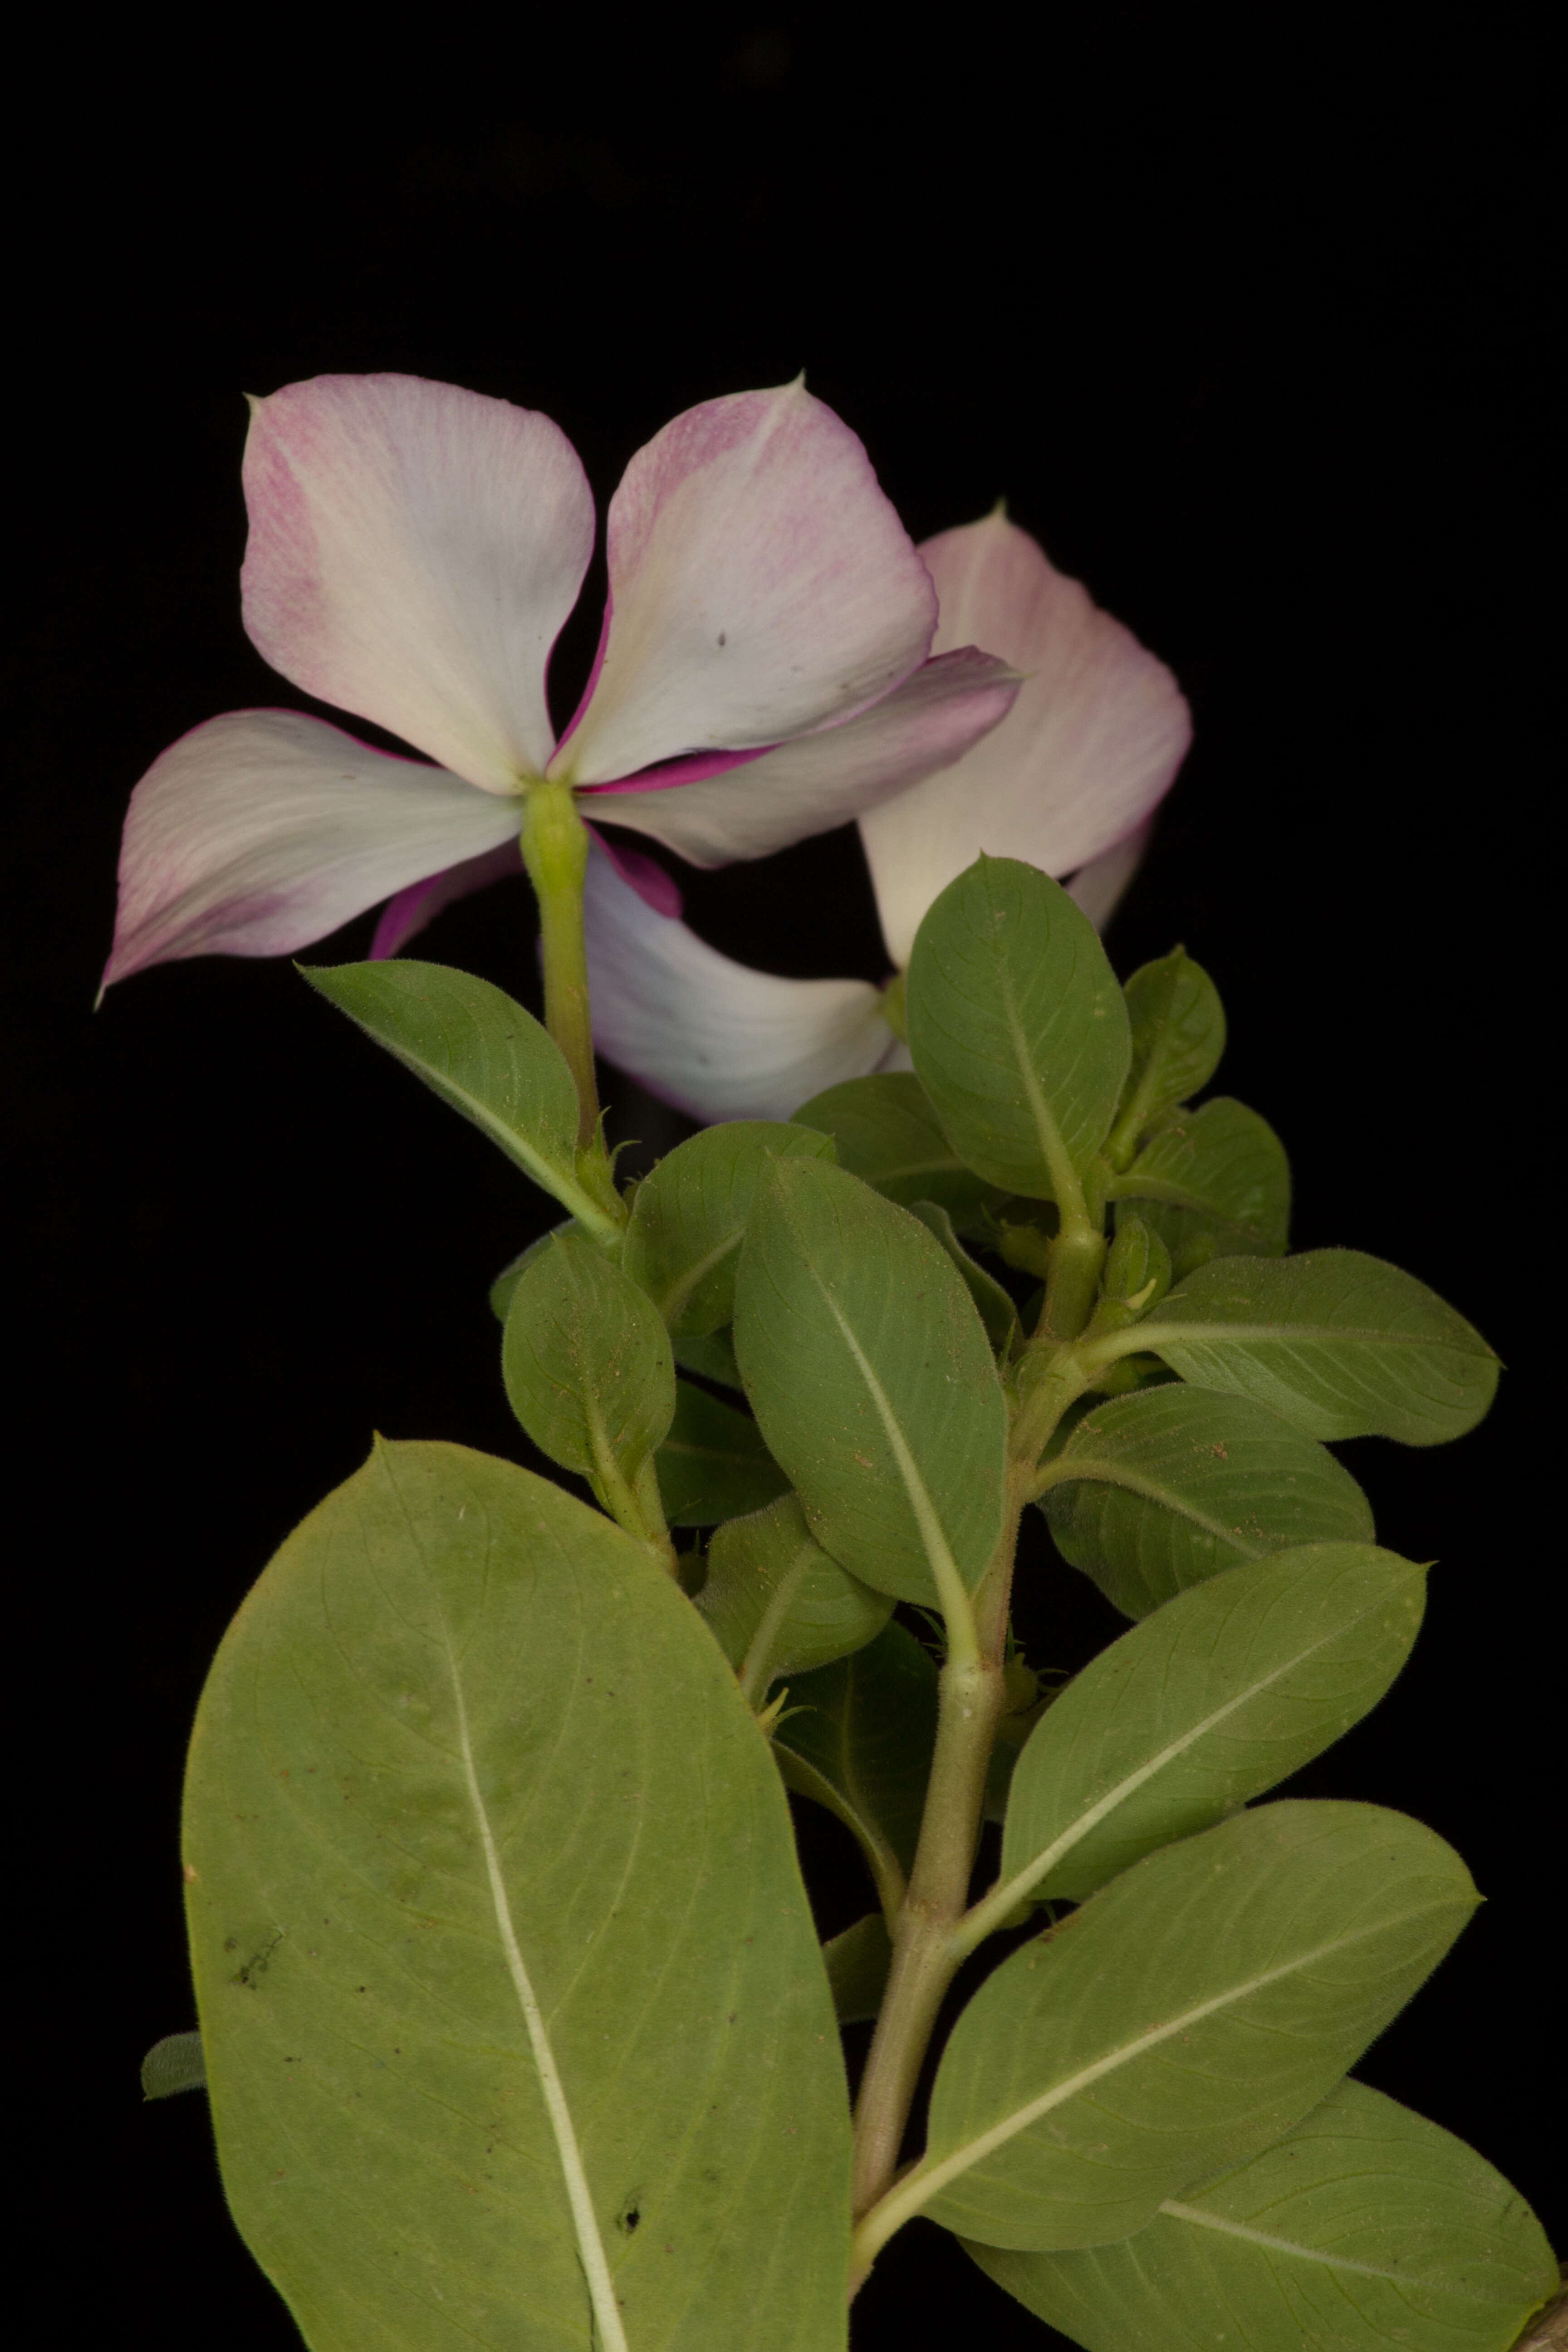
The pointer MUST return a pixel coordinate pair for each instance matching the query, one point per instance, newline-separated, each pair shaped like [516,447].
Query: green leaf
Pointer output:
[870,1374]
[1017,1028]
[1367,2228]
[714,1356]
[1214,1698]
[995,1310]
[588,1369]
[1178,1037]
[713,1464]
[1212,1183]
[1341,1344]
[778,1604]
[1188,2015]
[482,1053]
[889,1135]
[176,2064]
[857,1739]
[505,1284]
[859,1962]
[684,1239]
[1158,1490]
[516,2027]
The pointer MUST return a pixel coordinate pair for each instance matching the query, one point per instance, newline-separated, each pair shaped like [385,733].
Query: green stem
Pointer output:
[555,852]
[929,1938]
[972,1700]
[1060,1382]
[1075,1258]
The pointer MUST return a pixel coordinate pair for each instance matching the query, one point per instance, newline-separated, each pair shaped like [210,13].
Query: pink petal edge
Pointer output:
[645,875]
[693,770]
[405,915]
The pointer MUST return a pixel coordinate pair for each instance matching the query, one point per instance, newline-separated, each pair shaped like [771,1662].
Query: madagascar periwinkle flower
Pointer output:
[763,670]
[1068,781]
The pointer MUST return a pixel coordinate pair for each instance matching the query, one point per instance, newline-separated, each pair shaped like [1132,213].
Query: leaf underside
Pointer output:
[504,1817]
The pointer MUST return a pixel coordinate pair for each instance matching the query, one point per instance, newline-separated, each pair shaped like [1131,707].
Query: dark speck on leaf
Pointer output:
[722,636]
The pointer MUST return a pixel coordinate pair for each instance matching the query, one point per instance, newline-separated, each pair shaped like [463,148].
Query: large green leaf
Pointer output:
[1019,1030]
[1341,1344]
[1367,2228]
[515,2026]
[1212,1183]
[889,1136]
[713,1465]
[778,1604]
[1178,1037]
[1155,1491]
[1214,1698]
[684,1239]
[588,1372]
[1188,2015]
[857,1737]
[481,1053]
[870,1374]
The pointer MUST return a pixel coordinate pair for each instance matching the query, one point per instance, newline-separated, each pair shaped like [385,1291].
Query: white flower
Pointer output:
[414,552]
[1068,782]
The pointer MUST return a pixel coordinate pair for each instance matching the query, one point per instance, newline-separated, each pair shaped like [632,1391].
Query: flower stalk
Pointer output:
[556,855]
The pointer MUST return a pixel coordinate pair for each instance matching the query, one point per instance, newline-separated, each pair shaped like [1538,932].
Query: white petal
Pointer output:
[760,585]
[1098,888]
[826,779]
[264,830]
[413,551]
[1092,742]
[711,1036]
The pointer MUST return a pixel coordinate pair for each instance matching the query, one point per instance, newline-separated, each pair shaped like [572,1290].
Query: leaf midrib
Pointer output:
[1158,1336]
[1047,1134]
[1106,1473]
[547,1176]
[1035,1871]
[590,2244]
[675,1298]
[1193,2213]
[928,2183]
[952,1595]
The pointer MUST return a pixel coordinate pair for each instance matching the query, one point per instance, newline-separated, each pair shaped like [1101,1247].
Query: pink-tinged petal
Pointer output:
[414,552]
[653,886]
[760,582]
[711,1036]
[1092,742]
[696,769]
[404,918]
[933,718]
[264,830]
[1098,888]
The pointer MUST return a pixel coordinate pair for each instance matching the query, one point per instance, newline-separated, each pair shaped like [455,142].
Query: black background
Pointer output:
[1238,313]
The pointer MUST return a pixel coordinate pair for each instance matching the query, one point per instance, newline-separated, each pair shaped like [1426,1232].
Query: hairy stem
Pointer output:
[1075,1259]
[555,852]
